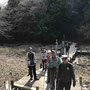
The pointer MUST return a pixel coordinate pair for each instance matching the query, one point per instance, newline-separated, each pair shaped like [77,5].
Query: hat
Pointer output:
[30,48]
[64,56]
[53,51]
[49,51]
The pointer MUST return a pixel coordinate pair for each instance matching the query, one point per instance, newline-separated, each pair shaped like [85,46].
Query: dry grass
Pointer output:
[13,59]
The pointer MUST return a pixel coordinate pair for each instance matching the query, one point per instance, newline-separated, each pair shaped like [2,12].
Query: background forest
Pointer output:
[44,21]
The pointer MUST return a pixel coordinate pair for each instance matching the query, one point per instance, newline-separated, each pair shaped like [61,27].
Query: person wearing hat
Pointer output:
[53,64]
[44,58]
[58,52]
[65,75]
[31,62]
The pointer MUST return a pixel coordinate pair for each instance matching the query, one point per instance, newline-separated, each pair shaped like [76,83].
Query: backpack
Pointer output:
[31,58]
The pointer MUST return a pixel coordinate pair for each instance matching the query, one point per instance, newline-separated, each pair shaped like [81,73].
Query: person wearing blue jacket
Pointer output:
[53,65]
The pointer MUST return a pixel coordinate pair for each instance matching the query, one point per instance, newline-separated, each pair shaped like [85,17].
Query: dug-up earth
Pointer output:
[13,60]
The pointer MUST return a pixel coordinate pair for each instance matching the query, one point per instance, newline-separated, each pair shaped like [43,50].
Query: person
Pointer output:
[52,49]
[67,48]
[44,57]
[62,48]
[53,64]
[31,64]
[65,75]
[58,52]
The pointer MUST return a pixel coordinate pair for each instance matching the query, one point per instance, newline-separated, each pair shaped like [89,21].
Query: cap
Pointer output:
[53,51]
[64,56]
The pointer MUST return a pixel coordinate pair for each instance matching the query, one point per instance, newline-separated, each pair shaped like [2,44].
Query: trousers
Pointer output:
[43,62]
[53,74]
[48,77]
[62,85]
[32,71]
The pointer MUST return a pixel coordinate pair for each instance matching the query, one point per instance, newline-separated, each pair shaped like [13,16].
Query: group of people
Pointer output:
[59,70]
[65,46]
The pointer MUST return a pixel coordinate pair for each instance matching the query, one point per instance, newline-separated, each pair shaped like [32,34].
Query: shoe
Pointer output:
[31,79]
[36,79]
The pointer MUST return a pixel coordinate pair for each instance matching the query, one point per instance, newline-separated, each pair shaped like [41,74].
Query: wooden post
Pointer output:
[7,85]
[80,81]
[37,87]
[11,81]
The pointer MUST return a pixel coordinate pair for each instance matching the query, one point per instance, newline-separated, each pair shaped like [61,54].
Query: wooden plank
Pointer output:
[83,51]
[72,50]
[26,83]
[22,86]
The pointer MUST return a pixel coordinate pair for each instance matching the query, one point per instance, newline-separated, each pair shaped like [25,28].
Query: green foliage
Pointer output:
[85,31]
[87,16]
[5,26]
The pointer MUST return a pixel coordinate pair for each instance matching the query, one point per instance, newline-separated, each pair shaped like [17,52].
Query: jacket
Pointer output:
[31,61]
[44,55]
[54,62]
[65,73]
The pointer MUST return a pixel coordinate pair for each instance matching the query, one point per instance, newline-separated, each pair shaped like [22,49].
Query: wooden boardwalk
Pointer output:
[72,50]
[25,83]
[83,52]
[77,87]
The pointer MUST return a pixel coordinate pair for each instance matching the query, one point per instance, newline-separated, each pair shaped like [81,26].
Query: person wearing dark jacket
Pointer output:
[31,63]
[65,75]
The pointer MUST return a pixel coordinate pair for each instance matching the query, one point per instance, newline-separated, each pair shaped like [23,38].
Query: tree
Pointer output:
[85,32]
[13,3]
[44,20]
[5,27]
[59,18]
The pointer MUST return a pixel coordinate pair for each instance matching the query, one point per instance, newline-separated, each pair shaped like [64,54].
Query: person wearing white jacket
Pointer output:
[44,57]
